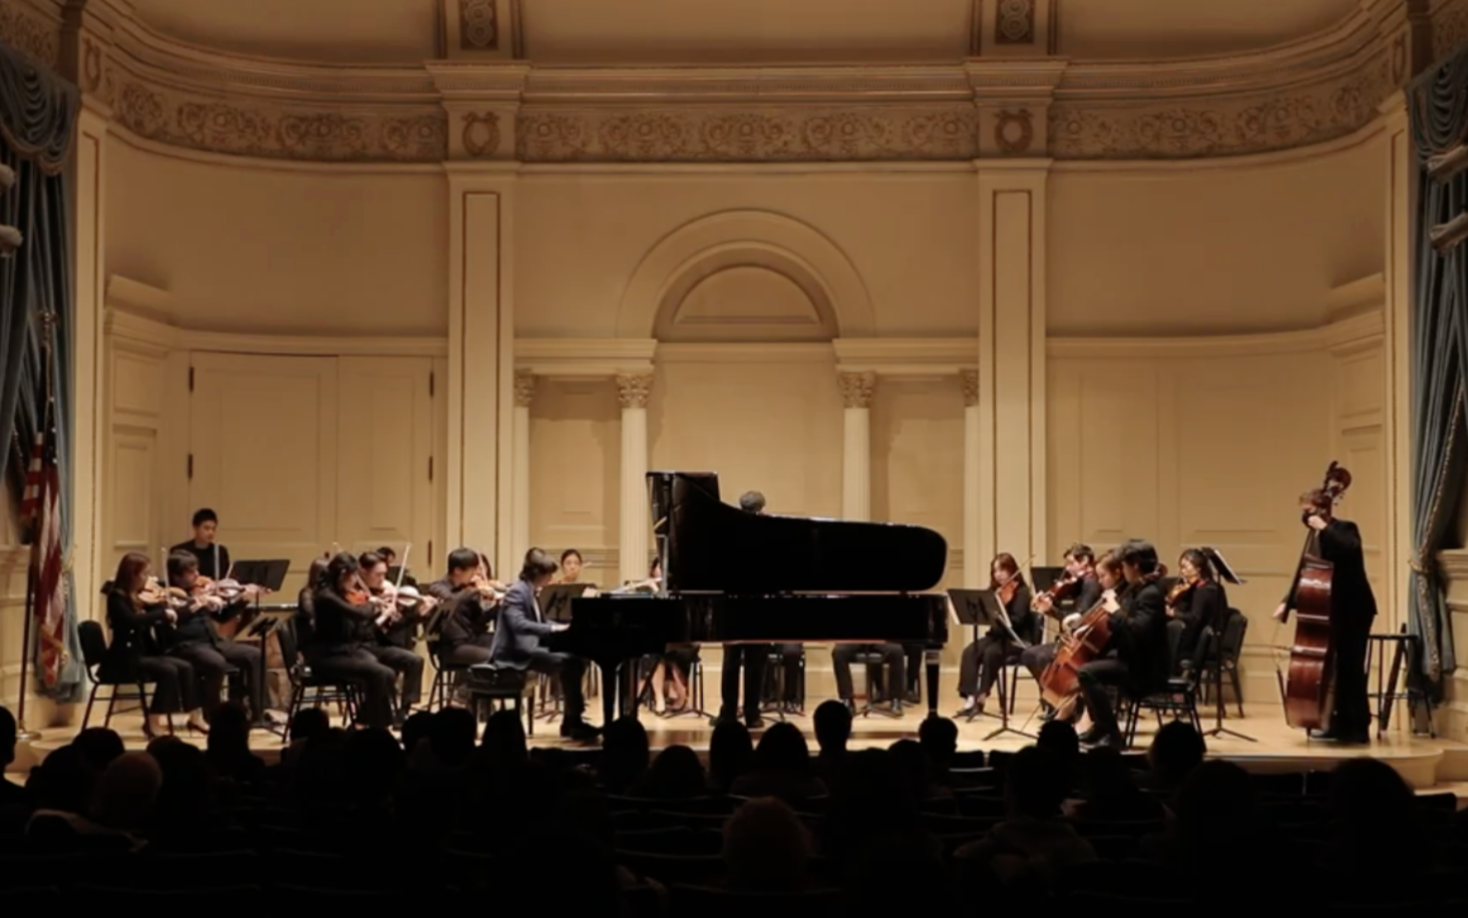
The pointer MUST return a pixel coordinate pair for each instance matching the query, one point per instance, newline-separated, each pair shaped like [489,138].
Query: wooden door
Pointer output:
[263,454]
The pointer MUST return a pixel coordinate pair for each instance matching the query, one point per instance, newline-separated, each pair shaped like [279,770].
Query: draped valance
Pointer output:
[38,110]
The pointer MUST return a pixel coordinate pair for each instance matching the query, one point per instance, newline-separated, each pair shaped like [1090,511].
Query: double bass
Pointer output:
[1309,691]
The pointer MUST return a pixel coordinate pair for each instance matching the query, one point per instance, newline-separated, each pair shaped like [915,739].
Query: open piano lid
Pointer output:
[709,546]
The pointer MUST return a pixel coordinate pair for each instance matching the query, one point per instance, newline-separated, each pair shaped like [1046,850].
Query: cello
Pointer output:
[1060,684]
[1309,691]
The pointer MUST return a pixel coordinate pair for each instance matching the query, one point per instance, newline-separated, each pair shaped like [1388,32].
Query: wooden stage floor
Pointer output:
[1424,762]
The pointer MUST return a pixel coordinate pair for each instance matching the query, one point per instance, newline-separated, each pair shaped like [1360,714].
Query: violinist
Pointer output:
[341,608]
[213,657]
[1085,588]
[215,565]
[571,566]
[1138,639]
[1352,609]
[1198,600]
[984,660]
[394,625]
[473,597]
[390,557]
[135,604]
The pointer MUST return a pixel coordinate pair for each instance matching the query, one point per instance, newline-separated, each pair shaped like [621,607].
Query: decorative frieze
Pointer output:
[970,380]
[524,389]
[766,133]
[26,28]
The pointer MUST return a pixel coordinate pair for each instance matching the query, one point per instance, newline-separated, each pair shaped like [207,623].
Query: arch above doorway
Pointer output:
[695,252]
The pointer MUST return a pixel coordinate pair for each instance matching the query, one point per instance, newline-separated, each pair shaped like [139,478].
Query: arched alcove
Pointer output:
[700,282]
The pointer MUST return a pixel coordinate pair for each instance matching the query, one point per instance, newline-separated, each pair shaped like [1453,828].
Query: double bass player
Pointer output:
[1352,609]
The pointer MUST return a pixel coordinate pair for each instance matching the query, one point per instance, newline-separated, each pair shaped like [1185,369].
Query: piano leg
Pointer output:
[931,659]
[609,694]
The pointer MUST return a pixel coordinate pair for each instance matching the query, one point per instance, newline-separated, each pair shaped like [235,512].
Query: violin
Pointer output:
[154,593]
[1179,590]
[1007,591]
[1058,591]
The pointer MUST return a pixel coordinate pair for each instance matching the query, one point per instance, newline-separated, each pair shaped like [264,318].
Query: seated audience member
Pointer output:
[939,739]
[1033,843]
[676,774]
[229,747]
[186,797]
[1060,737]
[766,847]
[99,746]
[781,767]
[503,749]
[1176,751]
[625,755]
[11,795]
[1376,820]
[833,732]
[1111,794]
[871,803]
[124,798]
[730,752]
[308,724]
[914,761]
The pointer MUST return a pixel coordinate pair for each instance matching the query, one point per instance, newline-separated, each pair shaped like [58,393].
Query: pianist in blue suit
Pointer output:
[520,637]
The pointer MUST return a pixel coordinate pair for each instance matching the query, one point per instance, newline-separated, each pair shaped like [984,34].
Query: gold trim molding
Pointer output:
[1303,93]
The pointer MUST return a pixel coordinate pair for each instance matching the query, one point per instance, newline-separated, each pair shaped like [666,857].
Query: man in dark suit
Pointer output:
[1139,640]
[518,635]
[751,657]
[1352,609]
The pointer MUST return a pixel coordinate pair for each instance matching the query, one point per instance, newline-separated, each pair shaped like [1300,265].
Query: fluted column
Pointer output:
[856,454]
[632,546]
[520,496]
[975,565]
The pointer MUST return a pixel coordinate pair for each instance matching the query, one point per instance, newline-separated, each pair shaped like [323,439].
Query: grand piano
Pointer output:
[731,576]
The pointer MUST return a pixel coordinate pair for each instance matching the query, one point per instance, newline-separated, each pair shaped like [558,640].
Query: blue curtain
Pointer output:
[38,111]
[1438,103]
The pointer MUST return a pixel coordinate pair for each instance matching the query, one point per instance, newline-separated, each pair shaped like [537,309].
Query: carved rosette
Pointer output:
[633,389]
[1014,22]
[478,25]
[970,379]
[524,389]
[1014,132]
[857,388]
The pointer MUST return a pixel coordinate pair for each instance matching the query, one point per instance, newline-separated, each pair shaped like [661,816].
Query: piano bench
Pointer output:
[491,683]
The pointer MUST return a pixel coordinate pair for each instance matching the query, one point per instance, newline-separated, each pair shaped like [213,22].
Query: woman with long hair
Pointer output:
[135,652]
[984,660]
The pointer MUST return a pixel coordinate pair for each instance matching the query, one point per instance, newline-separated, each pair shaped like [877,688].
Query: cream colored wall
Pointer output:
[261,249]
[1214,247]
[575,436]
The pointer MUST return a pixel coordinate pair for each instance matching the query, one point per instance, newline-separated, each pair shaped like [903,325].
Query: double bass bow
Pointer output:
[1309,689]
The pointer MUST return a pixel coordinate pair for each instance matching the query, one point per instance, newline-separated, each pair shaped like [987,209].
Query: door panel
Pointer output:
[263,441]
[386,422]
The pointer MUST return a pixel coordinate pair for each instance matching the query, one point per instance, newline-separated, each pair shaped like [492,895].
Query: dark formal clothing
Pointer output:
[1141,662]
[214,659]
[1203,606]
[1038,656]
[984,659]
[1352,610]
[463,637]
[790,654]
[335,652]
[751,658]
[519,643]
[135,654]
[893,655]
[205,555]
[380,644]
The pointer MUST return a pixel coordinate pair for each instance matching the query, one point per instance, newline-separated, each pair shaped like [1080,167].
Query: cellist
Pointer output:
[1352,609]
[1139,638]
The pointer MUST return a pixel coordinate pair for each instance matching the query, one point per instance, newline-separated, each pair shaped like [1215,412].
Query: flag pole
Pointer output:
[24,735]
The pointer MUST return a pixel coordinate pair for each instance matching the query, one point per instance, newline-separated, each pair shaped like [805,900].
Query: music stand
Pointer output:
[982,607]
[555,600]
[1226,574]
[1045,577]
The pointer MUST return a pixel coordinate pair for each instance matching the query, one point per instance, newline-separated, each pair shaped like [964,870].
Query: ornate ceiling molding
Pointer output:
[1303,93]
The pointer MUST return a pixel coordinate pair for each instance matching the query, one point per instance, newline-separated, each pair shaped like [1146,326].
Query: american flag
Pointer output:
[41,517]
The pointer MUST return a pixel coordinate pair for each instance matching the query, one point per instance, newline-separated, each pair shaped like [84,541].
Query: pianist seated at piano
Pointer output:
[522,636]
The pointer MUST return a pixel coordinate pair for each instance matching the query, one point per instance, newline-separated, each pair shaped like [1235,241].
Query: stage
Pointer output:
[1426,763]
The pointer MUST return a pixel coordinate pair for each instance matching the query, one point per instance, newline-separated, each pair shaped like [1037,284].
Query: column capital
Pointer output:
[857,388]
[524,388]
[633,389]
[970,379]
